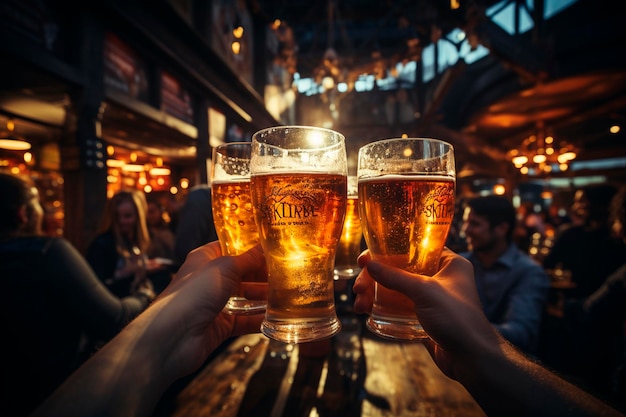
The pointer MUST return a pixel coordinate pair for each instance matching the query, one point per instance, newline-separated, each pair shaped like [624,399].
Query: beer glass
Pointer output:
[406,205]
[299,192]
[232,214]
[349,246]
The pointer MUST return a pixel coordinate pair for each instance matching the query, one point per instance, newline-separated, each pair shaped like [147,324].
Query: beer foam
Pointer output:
[233,180]
[409,176]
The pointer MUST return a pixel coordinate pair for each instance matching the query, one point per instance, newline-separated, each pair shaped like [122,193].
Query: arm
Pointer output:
[101,313]
[605,304]
[170,339]
[526,302]
[102,256]
[608,300]
[467,348]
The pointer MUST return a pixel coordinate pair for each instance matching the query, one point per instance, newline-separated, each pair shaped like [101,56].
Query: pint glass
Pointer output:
[406,204]
[299,186]
[232,214]
[349,246]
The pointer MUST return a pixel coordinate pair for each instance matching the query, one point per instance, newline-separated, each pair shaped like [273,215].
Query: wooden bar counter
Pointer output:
[353,374]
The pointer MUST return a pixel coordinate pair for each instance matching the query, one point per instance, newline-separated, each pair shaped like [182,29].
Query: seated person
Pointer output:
[513,289]
[53,302]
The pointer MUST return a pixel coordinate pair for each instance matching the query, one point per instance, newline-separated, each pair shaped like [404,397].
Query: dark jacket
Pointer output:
[52,302]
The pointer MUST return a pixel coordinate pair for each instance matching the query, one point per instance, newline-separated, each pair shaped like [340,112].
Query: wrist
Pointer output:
[474,368]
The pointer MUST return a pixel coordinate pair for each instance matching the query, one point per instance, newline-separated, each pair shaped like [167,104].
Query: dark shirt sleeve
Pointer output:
[610,298]
[607,303]
[527,299]
[102,314]
[195,223]
[102,256]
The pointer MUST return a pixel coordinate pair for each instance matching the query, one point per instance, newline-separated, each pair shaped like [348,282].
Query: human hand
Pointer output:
[156,264]
[143,287]
[447,305]
[197,294]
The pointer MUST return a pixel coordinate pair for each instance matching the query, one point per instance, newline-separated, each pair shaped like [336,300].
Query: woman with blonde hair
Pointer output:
[118,254]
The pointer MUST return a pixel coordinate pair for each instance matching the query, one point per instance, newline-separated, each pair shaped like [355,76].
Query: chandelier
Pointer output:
[541,154]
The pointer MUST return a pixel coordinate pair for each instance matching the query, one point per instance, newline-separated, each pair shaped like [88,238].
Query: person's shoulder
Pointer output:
[200,188]
[28,244]
[199,192]
[524,260]
[198,198]
[576,230]
[60,243]
[103,239]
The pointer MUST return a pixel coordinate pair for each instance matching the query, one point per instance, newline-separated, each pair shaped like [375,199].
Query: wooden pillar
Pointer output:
[259,59]
[203,149]
[83,152]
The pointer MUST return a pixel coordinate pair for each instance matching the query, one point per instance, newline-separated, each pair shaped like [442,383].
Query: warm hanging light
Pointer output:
[236,47]
[115,163]
[159,171]
[133,168]
[238,32]
[541,154]
[10,141]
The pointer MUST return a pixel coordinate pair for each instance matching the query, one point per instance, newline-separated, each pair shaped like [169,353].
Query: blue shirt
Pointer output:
[513,293]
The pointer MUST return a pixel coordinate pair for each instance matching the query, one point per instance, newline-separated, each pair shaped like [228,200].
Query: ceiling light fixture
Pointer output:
[541,154]
[159,171]
[133,168]
[10,141]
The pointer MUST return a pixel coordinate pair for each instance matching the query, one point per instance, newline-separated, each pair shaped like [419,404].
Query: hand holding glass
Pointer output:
[232,214]
[299,185]
[406,204]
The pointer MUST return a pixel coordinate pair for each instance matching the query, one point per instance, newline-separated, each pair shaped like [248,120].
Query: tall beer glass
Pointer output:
[299,185]
[349,247]
[232,214]
[406,204]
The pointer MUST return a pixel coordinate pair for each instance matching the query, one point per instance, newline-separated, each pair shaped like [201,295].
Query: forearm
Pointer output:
[504,382]
[132,368]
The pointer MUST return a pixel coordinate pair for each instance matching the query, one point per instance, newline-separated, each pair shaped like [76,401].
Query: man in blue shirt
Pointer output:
[513,288]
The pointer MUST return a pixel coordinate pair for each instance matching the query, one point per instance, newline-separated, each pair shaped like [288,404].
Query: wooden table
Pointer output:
[352,374]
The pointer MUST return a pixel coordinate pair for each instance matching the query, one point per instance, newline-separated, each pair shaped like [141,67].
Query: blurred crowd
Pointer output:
[65,305]
[553,284]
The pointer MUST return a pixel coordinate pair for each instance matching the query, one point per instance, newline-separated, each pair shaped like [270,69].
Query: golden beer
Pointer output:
[349,246]
[299,217]
[233,215]
[406,219]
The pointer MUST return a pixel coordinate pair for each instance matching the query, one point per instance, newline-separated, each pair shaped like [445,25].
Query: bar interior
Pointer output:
[101,97]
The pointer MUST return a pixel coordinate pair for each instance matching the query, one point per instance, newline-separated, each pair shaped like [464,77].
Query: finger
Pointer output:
[254,290]
[363,282]
[251,262]
[364,258]
[200,257]
[430,347]
[395,279]
[363,289]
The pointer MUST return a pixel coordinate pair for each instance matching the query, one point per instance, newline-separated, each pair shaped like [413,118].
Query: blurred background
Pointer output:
[113,94]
